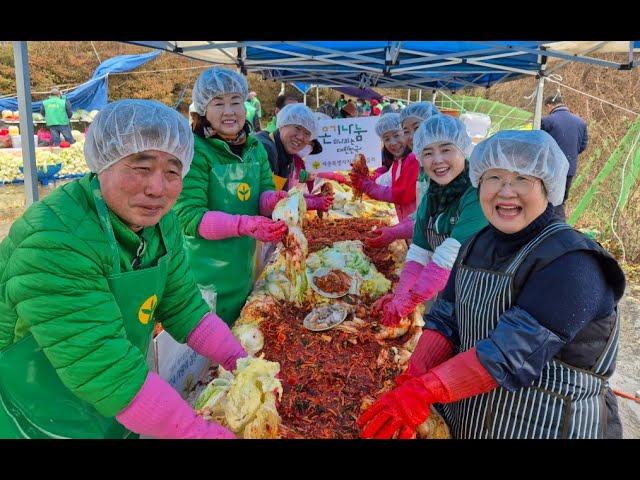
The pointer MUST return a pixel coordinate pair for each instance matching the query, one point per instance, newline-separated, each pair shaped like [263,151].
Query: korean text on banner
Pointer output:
[342,139]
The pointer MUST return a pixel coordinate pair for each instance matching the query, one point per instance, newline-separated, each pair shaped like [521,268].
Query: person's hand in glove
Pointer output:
[158,411]
[212,338]
[216,225]
[321,203]
[431,280]
[381,237]
[337,177]
[371,188]
[400,411]
[262,228]
[379,304]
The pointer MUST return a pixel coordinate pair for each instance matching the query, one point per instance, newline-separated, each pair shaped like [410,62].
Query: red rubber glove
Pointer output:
[407,406]
[401,410]
[408,277]
[262,228]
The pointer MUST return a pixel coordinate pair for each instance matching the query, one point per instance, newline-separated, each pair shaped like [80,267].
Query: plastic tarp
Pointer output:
[92,95]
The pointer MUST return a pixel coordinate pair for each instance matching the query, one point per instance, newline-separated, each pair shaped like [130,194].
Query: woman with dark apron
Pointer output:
[228,194]
[86,273]
[449,214]
[523,342]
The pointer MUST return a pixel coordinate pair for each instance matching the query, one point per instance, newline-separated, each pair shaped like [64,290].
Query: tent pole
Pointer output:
[317,97]
[281,88]
[420,95]
[21,59]
[408,95]
[537,114]
[433,97]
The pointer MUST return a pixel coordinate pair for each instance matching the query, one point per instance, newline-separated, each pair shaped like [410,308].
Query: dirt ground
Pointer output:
[626,377]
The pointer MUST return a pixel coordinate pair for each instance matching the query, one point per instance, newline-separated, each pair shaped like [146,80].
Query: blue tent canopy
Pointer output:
[451,65]
[92,95]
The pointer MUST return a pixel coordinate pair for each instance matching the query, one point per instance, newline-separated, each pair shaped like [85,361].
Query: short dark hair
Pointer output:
[555,99]
[282,99]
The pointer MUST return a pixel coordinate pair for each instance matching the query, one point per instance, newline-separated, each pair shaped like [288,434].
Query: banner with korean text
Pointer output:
[341,140]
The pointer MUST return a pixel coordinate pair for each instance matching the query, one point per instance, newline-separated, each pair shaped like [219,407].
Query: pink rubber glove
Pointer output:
[381,237]
[262,228]
[268,201]
[432,279]
[216,225]
[408,277]
[320,203]
[378,172]
[407,406]
[333,176]
[158,411]
[213,339]
[371,188]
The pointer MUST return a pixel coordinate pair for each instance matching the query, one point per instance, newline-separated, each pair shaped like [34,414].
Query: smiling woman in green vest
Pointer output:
[84,276]
[228,194]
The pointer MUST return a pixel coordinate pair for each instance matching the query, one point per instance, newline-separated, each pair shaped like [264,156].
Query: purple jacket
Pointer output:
[569,131]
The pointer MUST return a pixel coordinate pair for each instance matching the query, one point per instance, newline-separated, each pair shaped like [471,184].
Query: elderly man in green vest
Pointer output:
[57,112]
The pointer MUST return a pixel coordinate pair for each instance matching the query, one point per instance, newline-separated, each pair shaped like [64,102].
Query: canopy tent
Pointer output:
[450,65]
[388,64]
[93,93]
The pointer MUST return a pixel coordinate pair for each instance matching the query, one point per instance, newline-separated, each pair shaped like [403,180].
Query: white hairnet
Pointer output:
[389,122]
[126,127]
[298,114]
[533,152]
[441,128]
[215,82]
[420,110]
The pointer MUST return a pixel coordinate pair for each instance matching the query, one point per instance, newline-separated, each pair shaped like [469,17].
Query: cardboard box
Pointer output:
[176,363]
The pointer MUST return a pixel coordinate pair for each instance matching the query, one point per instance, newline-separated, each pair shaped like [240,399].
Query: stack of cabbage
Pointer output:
[72,160]
[244,401]
[285,278]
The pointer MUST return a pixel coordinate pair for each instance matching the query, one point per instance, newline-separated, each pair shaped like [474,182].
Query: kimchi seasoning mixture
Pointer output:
[325,375]
[324,233]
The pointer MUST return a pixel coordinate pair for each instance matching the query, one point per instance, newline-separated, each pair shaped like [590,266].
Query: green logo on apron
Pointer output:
[146,309]
[244,192]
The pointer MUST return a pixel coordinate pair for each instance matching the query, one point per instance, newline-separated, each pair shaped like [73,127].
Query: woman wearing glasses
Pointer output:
[524,339]
[448,215]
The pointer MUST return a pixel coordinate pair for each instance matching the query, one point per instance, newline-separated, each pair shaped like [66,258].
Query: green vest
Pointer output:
[55,111]
[251,112]
[271,126]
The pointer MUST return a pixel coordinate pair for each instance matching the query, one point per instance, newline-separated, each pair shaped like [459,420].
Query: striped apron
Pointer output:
[564,402]
[430,230]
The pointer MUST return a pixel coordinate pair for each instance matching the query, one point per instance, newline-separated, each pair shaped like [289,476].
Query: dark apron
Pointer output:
[564,402]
